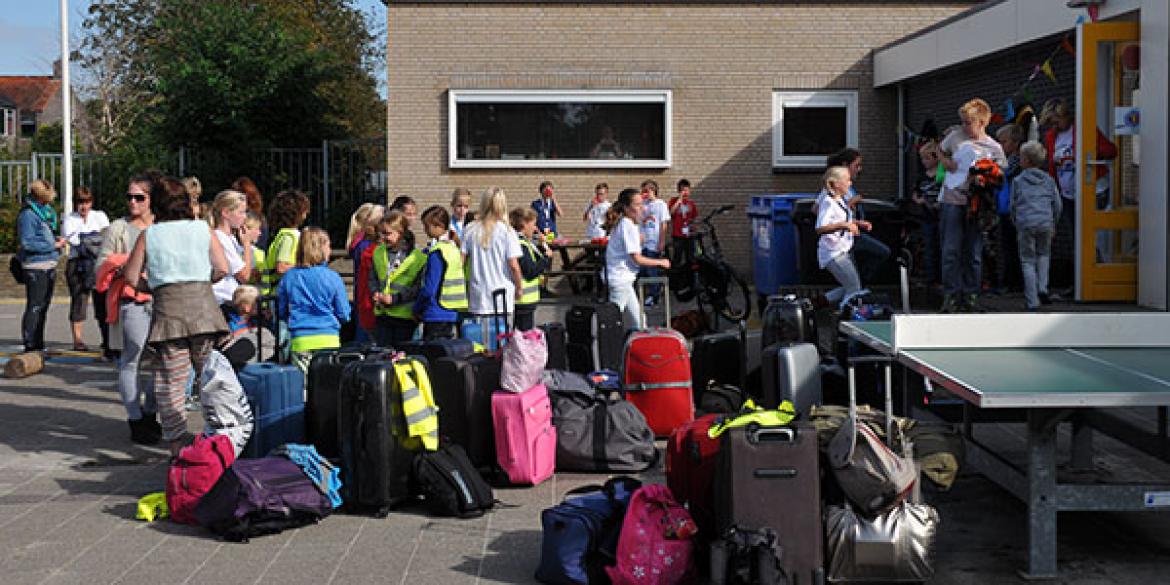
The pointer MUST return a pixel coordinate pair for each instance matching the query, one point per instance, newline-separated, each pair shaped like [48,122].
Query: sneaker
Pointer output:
[949,305]
[141,433]
[972,304]
[193,403]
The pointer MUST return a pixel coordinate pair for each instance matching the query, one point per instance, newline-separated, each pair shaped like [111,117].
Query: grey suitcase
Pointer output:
[790,372]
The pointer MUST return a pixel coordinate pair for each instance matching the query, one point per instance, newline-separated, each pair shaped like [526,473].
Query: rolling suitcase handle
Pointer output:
[499,314]
[888,387]
[275,313]
[641,284]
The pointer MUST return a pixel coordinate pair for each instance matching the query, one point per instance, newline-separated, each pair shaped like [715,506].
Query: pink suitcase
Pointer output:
[526,443]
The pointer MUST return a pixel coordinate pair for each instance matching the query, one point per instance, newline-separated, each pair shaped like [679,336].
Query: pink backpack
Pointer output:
[194,472]
[526,442]
[524,354]
[655,545]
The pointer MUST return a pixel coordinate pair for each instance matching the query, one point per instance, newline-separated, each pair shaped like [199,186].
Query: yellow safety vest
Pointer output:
[782,416]
[270,278]
[399,280]
[418,405]
[531,288]
[259,272]
[453,291]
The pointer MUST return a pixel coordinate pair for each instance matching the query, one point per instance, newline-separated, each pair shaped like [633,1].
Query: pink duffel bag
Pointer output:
[523,355]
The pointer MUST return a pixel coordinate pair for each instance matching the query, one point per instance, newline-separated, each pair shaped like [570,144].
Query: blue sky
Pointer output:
[29,42]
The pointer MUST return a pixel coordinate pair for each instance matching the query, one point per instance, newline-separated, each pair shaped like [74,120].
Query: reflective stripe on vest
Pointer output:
[453,291]
[273,277]
[400,279]
[530,293]
[418,405]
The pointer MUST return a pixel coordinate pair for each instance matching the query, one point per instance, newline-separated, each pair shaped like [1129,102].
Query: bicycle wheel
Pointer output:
[737,301]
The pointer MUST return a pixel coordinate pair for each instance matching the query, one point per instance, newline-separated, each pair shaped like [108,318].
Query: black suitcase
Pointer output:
[463,391]
[437,348]
[790,372]
[375,466]
[554,334]
[718,357]
[788,319]
[770,477]
[596,337]
[323,389]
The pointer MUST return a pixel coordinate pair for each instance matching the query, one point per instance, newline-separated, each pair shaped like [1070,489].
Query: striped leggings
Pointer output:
[175,358]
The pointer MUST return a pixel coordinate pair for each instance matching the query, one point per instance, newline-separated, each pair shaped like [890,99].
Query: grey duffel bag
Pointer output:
[597,431]
[894,546]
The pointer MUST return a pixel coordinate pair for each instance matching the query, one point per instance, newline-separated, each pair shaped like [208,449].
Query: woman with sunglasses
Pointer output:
[133,321]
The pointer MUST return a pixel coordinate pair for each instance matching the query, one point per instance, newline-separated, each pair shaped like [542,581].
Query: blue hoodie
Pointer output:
[313,300]
[36,238]
[426,305]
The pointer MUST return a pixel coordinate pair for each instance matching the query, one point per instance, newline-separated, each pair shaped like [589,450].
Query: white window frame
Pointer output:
[811,99]
[7,122]
[468,96]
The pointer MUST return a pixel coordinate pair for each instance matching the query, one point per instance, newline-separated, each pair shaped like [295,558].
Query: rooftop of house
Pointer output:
[29,92]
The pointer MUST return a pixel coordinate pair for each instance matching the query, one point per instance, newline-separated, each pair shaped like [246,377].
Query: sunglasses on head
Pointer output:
[136,197]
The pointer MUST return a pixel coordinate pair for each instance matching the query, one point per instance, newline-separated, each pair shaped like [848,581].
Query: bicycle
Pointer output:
[704,273]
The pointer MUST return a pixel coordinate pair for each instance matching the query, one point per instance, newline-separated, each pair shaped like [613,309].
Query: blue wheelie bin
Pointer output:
[775,241]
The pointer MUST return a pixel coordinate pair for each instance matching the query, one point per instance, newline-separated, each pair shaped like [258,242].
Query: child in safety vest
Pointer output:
[392,281]
[312,299]
[288,212]
[534,262]
[442,291]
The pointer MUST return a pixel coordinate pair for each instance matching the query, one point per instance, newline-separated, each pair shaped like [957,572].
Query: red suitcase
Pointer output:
[690,469]
[657,378]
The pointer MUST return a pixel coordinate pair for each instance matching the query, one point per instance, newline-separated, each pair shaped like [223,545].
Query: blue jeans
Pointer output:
[38,294]
[930,251]
[868,254]
[962,251]
[653,290]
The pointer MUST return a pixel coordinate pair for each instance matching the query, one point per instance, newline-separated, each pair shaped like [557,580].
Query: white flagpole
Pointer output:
[66,187]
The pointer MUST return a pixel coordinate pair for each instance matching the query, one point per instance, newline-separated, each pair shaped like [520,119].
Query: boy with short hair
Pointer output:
[655,223]
[1035,209]
[962,238]
[534,262]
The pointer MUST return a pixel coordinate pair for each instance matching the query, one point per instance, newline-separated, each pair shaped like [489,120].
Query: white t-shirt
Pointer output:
[620,268]
[1064,158]
[487,269]
[96,221]
[595,227]
[654,216]
[833,244]
[235,260]
[965,155]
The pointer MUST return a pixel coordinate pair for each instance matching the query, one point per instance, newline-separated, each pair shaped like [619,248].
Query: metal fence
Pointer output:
[338,176]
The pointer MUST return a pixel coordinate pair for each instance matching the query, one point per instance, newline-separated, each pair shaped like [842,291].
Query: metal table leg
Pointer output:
[1042,504]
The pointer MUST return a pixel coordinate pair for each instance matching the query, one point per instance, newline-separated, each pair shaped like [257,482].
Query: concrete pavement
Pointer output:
[69,480]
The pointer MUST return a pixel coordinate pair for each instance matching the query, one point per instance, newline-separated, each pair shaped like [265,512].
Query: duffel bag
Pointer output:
[600,431]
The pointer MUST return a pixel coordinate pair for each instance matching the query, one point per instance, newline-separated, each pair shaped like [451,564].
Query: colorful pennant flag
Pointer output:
[1047,69]
[1080,19]
[1067,46]
[1094,11]
[1009,109]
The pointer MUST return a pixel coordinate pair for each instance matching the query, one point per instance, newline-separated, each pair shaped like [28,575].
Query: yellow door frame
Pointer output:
[1099,281]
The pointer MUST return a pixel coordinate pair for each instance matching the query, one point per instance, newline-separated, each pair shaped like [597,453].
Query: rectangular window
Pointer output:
[808,125]
[559,129]
[7,122]
[28,124]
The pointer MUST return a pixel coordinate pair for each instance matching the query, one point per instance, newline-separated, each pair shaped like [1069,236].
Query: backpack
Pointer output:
[655,547]
[261,496]
[580,534]
[747,557]
[450,484]
[194,472]
[600,431]
[871,474]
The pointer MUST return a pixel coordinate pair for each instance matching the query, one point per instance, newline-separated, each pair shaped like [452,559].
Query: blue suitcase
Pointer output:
[276,394]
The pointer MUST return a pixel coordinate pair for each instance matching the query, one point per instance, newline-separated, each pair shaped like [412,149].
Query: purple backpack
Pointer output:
[262,496]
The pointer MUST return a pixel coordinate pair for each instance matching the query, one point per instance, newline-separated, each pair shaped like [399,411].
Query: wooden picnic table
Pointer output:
[582,270]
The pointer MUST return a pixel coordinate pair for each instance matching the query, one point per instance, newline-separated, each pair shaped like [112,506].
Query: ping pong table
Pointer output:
[1057,368]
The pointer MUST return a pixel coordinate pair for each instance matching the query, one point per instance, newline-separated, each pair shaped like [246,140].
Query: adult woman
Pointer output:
[39,252]
[133,311]
[83,230]
[228,213]
[491,253]
[178,256]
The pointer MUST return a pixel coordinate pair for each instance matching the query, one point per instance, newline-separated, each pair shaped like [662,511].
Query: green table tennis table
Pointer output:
[1058,368]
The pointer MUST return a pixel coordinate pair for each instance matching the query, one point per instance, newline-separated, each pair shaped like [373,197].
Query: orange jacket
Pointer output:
[109,278]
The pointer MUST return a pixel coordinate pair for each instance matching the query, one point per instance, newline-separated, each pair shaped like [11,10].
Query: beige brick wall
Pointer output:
[721,61]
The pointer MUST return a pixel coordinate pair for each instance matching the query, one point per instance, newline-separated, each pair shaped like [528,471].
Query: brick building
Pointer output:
[741,98]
